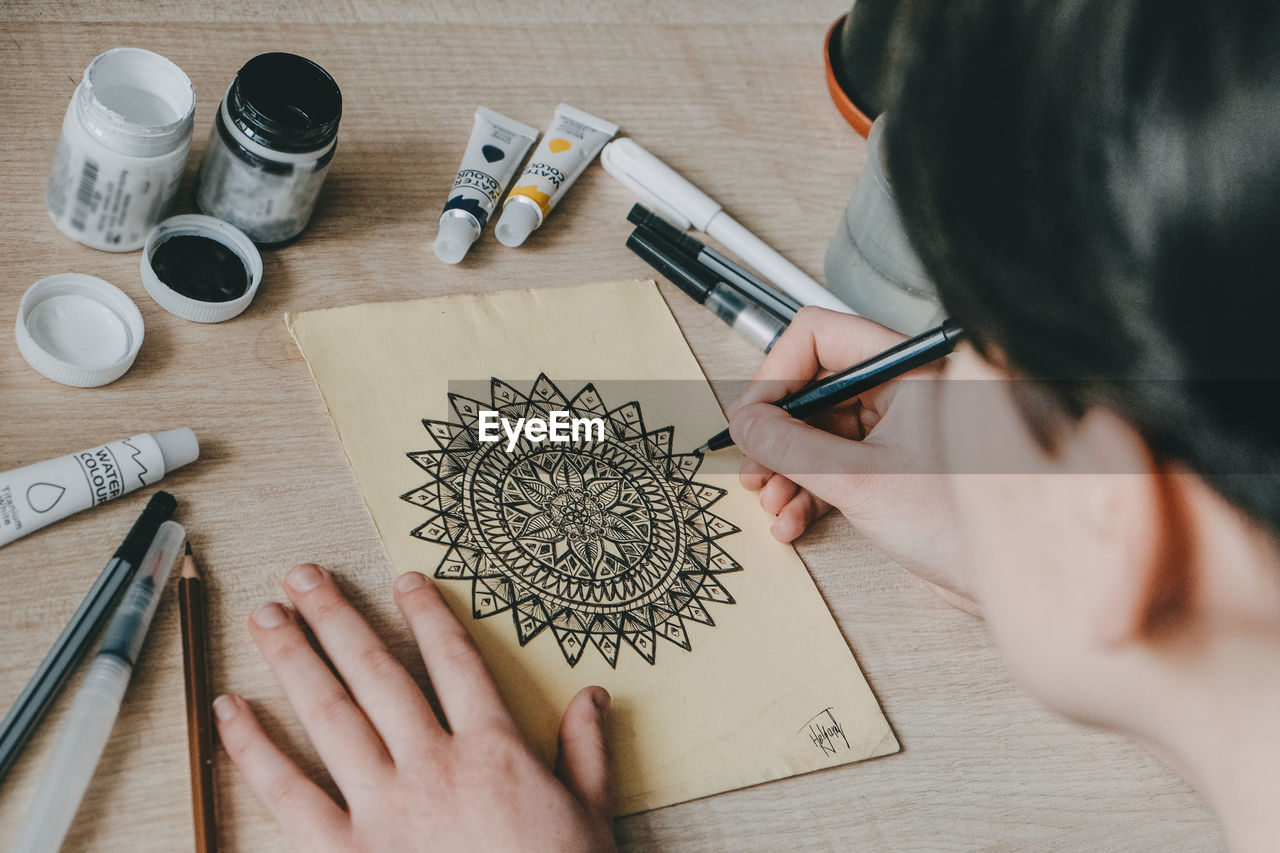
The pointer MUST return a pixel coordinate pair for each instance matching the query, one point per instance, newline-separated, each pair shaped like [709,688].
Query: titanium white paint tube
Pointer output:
[49,491]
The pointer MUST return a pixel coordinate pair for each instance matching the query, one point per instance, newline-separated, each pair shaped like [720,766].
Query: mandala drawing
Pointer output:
[605,542]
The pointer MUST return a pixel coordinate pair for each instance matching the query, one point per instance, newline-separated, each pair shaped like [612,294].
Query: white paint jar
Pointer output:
[124,142]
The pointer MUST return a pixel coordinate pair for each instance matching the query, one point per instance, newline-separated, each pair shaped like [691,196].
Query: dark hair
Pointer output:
[1094,186]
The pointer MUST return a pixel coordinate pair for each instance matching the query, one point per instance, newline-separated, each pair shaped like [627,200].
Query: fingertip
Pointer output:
[306,813]
[792,521]
[593,696]
[810,315]
[235,723]
[763,433]
[409,581]
[583,760]
[268,616]
[775,497]
[226,707]
[784,532]
[589,707]
[304,577]
[601,699]
[414,591]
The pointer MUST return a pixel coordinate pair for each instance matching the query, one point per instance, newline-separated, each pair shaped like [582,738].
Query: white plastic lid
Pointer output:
[197,225]
[520,218]
[457,233]
[78,330]
[178,447]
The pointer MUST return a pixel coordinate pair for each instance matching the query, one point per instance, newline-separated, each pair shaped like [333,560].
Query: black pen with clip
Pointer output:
[74,641]
[759,325]
[720,265]
[894,362]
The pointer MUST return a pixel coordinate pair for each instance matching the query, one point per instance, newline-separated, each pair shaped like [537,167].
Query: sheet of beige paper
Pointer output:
[759,694]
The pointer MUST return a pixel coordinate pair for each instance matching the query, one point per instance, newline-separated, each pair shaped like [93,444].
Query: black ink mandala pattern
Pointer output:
[604,542]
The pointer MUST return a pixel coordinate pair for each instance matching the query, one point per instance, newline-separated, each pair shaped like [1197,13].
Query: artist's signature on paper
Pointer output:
[825,731]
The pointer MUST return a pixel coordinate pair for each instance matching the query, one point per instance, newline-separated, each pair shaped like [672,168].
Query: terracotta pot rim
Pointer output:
[844,104]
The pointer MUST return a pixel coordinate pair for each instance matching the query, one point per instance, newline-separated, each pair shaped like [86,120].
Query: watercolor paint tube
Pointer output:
[568,147]
[49,491]
[496,148]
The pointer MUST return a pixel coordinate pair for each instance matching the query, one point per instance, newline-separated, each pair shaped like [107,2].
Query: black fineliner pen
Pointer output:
[721,265]
[758,325]
[877,370]
[73,642]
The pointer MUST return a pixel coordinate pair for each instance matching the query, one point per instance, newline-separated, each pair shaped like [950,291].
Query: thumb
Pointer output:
[583,763]
[804,454]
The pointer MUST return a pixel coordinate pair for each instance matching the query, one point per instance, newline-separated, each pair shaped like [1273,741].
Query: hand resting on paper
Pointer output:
[408,782]
[877,458]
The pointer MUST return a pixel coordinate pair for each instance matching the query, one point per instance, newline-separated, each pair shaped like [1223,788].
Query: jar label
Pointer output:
[106,204]
[270,206]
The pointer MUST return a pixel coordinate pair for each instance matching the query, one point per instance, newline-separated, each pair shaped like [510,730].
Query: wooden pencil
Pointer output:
[191,605]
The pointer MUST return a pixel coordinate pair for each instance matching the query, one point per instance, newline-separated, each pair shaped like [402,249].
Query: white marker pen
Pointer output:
[684,204]
[49,491]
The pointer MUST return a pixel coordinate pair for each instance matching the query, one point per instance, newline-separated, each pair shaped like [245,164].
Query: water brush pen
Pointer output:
[76,639]
[97,703]
[757,324]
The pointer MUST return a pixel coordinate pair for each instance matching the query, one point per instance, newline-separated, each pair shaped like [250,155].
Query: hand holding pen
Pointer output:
[853,456]
[868,374]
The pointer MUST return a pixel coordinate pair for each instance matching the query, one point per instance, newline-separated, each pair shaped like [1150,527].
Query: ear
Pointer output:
[1134,511]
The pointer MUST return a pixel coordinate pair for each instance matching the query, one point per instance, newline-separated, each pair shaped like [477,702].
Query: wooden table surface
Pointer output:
[729,93]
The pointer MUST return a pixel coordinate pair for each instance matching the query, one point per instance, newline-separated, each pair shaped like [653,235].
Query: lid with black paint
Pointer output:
[201,268]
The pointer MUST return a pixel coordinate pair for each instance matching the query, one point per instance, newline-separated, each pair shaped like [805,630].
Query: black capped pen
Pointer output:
[745,316]
[72,644]
[862,377]
[720,265]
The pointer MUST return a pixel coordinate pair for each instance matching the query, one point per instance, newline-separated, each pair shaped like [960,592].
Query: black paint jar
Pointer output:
[272,142]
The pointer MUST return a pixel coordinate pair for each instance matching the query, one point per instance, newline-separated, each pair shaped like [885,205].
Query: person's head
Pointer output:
[1094,187]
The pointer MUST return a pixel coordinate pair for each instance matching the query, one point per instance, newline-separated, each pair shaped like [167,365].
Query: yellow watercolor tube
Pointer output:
[570,144]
